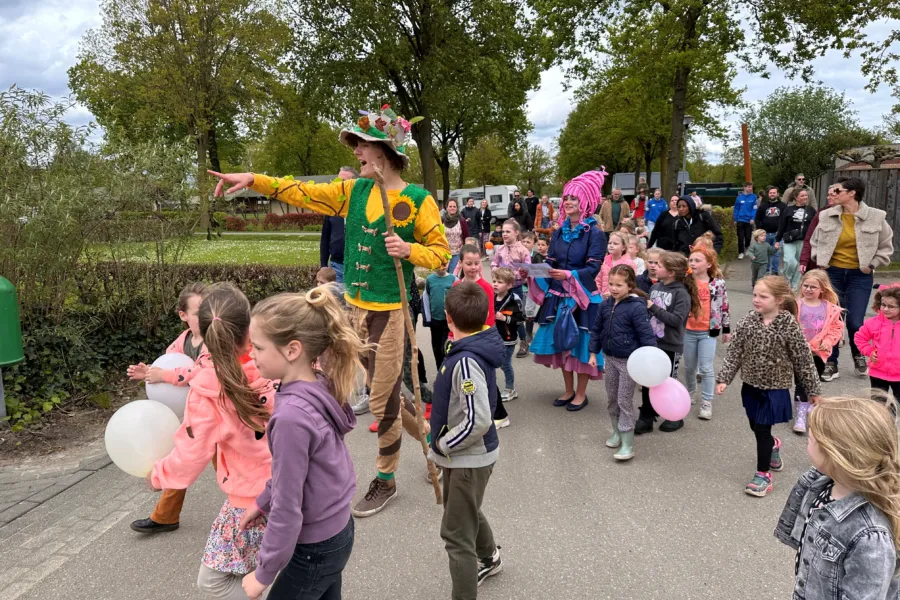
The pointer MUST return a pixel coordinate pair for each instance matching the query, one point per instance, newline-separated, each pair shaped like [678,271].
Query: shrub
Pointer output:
[235,224]
[312,228]
[291,221]
[725,218]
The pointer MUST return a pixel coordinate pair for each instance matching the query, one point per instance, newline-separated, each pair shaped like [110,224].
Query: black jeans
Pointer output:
[764,444]
[799,392]
[439,333]
[647,412]
[315,570]
[744,235]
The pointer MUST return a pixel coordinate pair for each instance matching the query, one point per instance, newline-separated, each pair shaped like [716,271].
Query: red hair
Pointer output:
[711,257]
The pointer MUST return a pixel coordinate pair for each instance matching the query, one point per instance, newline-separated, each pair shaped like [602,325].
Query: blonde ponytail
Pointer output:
[317,320]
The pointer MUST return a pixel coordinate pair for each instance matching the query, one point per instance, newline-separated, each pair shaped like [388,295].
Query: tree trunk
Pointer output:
[648,162]
[214,163]
[677,133]
[461,157]
[202,179]
[422,135]
[443,161]
[637,173]
[663,169]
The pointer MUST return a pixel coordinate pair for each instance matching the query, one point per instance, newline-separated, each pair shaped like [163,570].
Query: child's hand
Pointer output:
[720,388]
[726,338]
[252,587]
[823,345]
[137,372]
[592,361]
[649,304]
[500,316]
[149,479]
[874,356]
[154,375]
[814,399]
[252,517]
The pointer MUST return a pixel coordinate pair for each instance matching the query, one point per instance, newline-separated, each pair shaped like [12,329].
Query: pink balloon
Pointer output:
[671,399]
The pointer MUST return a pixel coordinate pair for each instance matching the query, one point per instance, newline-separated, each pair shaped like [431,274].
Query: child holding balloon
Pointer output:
[703,329]
[672,299]
[167,513]
[769,349]
[309,533]
[227,408]
[622,326]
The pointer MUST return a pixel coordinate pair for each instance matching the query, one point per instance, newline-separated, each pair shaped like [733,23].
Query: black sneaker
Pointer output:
[642,426]
[862,367]
[670,426]
[489,566]
[830,372]
[151,526]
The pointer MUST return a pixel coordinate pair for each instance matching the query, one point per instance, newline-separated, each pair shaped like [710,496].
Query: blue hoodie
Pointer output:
[655,208]
[462,410]
[745,208]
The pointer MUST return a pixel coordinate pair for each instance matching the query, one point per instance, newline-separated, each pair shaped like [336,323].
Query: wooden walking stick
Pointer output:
[411,332]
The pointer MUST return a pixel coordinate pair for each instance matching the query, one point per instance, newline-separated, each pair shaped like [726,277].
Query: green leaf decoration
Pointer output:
[307,199]
[391,114]
[342,198]
[274,184]
[289,177]
[443,229]
[415,120]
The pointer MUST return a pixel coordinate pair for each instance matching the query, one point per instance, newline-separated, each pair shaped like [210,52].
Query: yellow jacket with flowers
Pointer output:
[428,245]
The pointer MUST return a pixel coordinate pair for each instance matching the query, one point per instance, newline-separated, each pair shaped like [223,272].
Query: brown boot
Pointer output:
[523,349]
[380,493]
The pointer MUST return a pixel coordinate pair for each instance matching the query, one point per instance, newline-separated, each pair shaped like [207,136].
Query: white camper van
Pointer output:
[498,196]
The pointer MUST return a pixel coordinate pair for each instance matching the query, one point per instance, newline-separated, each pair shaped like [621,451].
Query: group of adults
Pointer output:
[847,238]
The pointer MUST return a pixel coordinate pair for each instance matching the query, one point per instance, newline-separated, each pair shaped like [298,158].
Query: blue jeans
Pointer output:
[853,288]
[315,570]
[454,260]
[699,352]
[339,270]
[507,367]
[521,330]
[776,258]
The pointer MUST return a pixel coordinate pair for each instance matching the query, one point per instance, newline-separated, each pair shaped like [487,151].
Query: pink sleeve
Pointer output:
[495,260]
[864,336]
[602,279]
[180,376]
[832,336]
[195,445]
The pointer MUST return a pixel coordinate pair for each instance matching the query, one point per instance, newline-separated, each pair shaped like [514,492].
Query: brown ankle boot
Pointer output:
[523,349]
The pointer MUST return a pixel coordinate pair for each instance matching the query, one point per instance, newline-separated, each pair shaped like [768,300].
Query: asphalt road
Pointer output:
[573,523]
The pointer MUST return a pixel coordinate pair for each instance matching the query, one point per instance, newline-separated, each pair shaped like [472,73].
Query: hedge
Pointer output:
[275,222]
[725,218]
[114,320]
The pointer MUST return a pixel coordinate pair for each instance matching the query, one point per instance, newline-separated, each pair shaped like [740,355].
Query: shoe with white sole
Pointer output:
[362,405]
[509,395]
[501,423]
[488,567]
[705,410]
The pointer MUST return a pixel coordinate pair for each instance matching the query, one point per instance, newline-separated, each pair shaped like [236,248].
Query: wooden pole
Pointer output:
[745,137]
[411,332]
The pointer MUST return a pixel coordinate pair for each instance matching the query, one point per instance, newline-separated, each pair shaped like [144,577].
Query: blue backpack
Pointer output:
[565,331]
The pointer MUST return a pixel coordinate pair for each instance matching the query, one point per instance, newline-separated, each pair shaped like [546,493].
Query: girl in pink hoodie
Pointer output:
[879,340]
[166,514]
[225,417]
[617,254]
[309,533]
[821,319]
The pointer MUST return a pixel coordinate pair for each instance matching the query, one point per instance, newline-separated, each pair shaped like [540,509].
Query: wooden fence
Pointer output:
[882,191]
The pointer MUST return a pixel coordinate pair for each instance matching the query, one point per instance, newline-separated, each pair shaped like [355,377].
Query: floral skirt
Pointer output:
[228,549]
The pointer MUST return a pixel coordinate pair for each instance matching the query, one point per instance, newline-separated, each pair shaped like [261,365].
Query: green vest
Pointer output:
[368,267]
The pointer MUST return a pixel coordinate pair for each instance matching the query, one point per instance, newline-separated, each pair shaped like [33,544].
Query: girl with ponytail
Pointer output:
[309,533]
[225,418]
[843,515]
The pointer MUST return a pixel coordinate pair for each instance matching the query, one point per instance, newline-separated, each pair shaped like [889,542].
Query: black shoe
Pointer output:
[862,367]
[151,526]
[575,407]
[642,426]
[830,372]
[669,426]
[563,401]
[489,566]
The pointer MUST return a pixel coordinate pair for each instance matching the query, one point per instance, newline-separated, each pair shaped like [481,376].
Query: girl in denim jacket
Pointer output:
[843,516]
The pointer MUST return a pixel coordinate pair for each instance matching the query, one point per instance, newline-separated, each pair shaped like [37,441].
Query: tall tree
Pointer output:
[799,130]
[178,64]
[536,167]
[416,53]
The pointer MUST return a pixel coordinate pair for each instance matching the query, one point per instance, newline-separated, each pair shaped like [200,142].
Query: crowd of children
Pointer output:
[281,458]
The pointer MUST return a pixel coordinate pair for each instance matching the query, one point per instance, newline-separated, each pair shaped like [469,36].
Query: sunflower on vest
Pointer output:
[378,140]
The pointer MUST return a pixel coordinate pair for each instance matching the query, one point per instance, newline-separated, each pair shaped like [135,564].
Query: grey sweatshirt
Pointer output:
[669,314]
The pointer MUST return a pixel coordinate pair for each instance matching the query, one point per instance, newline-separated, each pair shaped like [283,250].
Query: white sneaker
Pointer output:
[362,407]
[501,423]
[741,255]
[705,410]
[508,395]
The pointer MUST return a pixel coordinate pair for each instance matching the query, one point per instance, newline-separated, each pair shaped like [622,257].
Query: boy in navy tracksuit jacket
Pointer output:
[465,443]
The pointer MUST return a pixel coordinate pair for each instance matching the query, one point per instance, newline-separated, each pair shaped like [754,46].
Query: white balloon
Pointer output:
[649,366]
[139,434]
[173,396]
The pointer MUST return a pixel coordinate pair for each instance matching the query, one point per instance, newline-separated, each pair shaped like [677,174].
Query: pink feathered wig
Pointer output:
[587,188]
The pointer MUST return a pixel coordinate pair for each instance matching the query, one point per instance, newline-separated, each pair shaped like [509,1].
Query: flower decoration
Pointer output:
[364,123]
[403,211]
[385,124]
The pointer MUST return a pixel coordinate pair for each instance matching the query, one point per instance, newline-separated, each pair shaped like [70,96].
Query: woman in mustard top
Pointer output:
[852,239]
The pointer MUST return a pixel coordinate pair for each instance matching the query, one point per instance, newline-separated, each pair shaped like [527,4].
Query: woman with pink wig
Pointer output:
[577,249]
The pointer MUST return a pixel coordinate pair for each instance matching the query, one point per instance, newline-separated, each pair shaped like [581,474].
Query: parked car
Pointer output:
[499,198]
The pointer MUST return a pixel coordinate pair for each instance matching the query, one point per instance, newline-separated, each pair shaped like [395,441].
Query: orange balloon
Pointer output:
[489,246]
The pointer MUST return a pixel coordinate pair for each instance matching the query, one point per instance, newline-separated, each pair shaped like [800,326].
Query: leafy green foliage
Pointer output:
[724,216]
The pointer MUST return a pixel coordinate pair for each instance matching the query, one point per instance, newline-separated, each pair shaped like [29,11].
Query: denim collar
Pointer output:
[841,509]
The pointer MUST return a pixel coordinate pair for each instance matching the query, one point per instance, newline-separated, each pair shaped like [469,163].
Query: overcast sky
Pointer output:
[39,42]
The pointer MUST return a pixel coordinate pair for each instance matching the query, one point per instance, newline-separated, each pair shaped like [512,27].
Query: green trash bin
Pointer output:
[11,351]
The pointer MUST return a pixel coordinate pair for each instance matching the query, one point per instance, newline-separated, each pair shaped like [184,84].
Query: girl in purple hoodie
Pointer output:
[309,534]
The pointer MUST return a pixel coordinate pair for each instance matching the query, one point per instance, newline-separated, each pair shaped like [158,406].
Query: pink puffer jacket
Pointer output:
[831,333]
[212,427]
[881,334]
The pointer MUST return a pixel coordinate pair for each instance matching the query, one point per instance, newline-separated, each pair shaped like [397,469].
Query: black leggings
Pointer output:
[647,412]
[799,391]
[888,386]
[764,444]
[500,412]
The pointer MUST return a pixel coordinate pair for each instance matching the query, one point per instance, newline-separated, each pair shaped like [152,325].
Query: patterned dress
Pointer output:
[228,549]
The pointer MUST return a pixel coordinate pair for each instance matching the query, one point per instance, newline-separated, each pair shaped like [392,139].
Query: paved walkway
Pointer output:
[575,524]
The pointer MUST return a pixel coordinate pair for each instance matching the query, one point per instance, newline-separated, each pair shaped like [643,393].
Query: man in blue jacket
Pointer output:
[655,207]
[744,213]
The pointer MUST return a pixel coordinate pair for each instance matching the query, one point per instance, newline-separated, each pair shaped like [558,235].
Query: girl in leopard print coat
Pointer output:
[769,349]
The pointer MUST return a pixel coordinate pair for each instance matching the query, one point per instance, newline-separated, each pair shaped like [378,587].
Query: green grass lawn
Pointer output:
[282,251]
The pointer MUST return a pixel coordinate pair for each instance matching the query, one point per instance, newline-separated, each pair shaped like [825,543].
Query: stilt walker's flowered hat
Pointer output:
[383,126]
[587,188]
